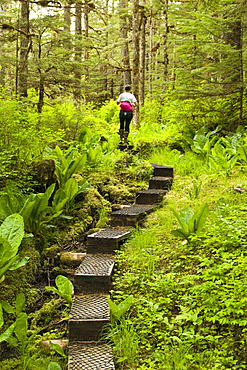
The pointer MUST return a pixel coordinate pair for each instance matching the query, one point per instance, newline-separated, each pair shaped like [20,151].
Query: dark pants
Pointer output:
[125,119]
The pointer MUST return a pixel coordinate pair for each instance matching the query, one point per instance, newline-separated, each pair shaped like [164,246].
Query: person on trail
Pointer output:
[127,102]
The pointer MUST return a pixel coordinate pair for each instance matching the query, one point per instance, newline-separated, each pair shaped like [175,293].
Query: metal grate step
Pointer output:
[163,183]
[130,216]
[150,196]
[94,274]
[88,315]
[107,240]
[90,356]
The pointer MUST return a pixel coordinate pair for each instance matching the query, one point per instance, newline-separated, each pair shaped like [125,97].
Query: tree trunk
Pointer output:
[24,49]
[78,51]
[135,61]
[125,42]
[86,50]
[233,66]
[142,54]
[150,53]
[165,38]
[67,25]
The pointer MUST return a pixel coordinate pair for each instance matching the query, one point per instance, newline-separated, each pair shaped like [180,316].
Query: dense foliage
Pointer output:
[179,298]
[189,305]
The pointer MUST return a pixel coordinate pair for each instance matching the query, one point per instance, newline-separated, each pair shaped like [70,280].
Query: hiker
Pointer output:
[127,101]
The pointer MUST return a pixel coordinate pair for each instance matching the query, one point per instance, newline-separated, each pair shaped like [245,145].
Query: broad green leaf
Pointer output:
[19,263]
[185,216]
[6,265]
[200,216]
[12,341]
[41,201]
[118,311]
[20,303]
[65,288]
[58,349]
[7,307]
[71,188]
[59,201]
[27,208]
[21,327]
[75,166]
[5,207]
[54,366]
[12,230]
[179,233]
[64,285]
[7,333]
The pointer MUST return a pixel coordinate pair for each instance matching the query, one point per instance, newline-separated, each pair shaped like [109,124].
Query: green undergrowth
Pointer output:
[190,295]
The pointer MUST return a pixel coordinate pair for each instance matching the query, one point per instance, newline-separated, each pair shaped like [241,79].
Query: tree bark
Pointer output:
[125,42]
[136,55]
[67,25]
[86,49]
[142,54]
[24,49]
[78,51]
[233,65]
[165,38]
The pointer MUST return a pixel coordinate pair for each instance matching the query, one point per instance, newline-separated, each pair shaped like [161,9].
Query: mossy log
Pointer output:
[72,259]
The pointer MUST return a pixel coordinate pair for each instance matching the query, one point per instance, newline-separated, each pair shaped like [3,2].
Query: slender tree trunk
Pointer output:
[41,83]
[165,38]
[24,49]
[67,25]
[136,55]
[150,54]
[86,50]
[241,90]
[233,72]
[78,50]
[2,70]
[125,42]
[142,54]
[105,69]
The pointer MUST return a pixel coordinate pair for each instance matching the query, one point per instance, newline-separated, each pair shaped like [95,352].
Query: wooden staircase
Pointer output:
[92,280]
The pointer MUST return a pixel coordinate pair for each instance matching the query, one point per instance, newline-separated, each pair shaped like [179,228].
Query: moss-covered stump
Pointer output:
[43,174]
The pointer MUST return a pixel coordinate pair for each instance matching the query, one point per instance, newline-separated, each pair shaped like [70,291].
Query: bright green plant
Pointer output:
[34,208]
[125,341]
[195,191]
[201,141]
[68,163]
[63,198]
[65,288]
[54,366]
[220,159]
[36,211]
[118,311]
[58,349]
[17,333]
[11,235]
[190,222]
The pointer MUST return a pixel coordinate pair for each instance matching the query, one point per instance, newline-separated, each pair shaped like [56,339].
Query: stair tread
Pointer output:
[96,265]
[161,178]
[152,191]
[90,307]
[111,233]
[90,356]
[134,210]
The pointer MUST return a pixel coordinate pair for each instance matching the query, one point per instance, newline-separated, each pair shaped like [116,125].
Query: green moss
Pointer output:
[20,280]
[45,315]
[11,364]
